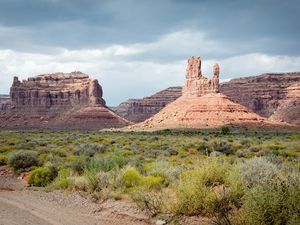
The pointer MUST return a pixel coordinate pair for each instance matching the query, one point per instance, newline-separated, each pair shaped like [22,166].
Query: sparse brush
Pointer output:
[23,159]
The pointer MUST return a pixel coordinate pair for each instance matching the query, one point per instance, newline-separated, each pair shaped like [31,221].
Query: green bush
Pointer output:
[21,160]
[40,177]
[78,164]
[194,191]
[151,182]
[63,180]
[225,130]
[131,177]
[3,160]
[277,203]
[191,195]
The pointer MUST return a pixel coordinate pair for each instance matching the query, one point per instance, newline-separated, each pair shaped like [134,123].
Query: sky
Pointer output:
[138,47]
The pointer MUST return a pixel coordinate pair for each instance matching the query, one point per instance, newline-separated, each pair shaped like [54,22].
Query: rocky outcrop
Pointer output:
[5,102]
[138,110]
[201,106]
[197,85]
[276,96]
[60,100]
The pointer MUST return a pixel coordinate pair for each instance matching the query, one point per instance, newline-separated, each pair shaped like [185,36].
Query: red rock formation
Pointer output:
[197,85]
[270,95]
[138,110]
[62,101]
[201,106]
[5,102]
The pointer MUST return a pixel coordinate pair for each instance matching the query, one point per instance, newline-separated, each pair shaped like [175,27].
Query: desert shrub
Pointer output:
[131,177]
[93,167]
[203,147]
[268,194]
[163,169]
[62,181]
[78,164]
[194,191]
[103,179]
[254,149]
[246,142]
[222,146]
[258,171]
[151,201]
[191,195]
[171,151]
[151,182]
[6,148]
[235,182]
[276,203]
[212,172]
[78,183]
[225,130]
[89,149]
[221,206]
[3,160]
[40,177]
[23,159]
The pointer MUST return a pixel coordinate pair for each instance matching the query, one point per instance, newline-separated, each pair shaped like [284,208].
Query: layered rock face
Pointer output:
[138,110]
[5,102]
[201,106]
[56,90]
[276,96]
[61,100]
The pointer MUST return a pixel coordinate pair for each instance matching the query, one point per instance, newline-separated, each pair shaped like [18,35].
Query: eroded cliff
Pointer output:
[60,100]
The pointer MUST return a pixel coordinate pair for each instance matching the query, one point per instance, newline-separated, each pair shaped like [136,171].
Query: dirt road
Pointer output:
[25,206]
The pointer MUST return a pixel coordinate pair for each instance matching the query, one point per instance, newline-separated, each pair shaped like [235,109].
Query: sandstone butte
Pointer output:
[5,102]
[272,95]
[58,101]
[202,106]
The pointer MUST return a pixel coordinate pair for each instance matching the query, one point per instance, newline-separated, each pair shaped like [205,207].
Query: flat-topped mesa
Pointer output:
[65,90]
[58,101]
[196,84]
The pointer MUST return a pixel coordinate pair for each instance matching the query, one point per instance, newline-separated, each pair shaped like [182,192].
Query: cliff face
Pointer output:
[270,95]
[56,90]
[60,100]
[5,102]
[138,110]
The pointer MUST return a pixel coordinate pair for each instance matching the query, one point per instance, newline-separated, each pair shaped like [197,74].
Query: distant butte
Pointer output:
[202,106]
[58,101]
[272,95]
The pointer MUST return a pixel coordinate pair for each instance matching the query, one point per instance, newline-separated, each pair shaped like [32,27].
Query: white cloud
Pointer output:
[185,42]
[254,64]
[125,72]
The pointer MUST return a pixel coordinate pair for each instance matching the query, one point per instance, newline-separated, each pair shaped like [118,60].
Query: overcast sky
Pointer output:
[137,47]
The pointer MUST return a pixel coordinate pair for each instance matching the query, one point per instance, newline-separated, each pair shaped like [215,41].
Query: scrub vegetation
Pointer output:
[229,176]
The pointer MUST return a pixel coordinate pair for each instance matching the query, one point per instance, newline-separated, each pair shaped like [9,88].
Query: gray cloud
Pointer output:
[136,47]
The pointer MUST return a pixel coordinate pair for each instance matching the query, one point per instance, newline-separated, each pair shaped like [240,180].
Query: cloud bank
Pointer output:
[136,47]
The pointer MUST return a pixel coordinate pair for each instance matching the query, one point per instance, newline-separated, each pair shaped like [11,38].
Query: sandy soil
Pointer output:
[24,206]
[20,205]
